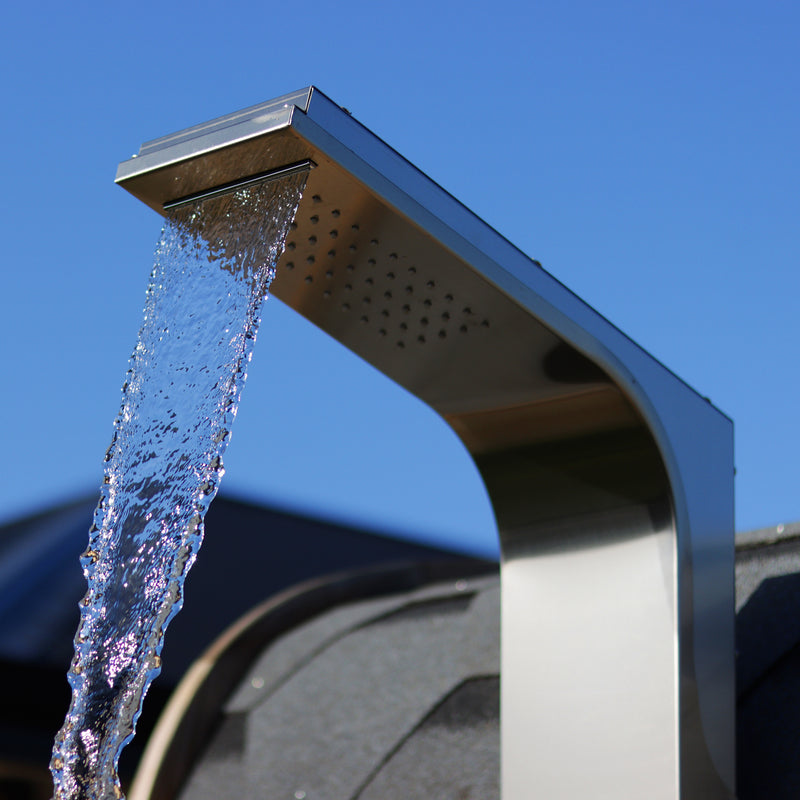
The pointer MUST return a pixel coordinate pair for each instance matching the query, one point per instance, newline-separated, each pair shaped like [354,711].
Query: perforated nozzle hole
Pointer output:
[422,312]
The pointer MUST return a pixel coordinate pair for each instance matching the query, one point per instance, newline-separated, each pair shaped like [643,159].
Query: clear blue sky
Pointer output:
[646,153]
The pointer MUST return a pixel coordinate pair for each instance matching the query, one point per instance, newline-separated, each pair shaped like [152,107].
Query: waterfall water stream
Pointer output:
[213,267]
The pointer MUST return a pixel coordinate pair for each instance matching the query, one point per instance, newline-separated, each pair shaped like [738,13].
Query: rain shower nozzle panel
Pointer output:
[611,480]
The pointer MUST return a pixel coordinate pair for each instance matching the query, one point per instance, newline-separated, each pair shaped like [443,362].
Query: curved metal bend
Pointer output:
[611,480]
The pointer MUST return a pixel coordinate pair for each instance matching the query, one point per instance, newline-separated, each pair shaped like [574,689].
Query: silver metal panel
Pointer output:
[611,480]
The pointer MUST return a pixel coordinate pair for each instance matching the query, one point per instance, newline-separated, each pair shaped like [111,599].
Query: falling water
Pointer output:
[213,267]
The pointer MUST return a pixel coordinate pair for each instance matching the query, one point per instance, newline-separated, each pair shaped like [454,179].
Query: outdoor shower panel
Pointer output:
[611,479]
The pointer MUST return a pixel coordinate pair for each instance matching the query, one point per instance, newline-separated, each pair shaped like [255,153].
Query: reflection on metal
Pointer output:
[233,186]
[611,480]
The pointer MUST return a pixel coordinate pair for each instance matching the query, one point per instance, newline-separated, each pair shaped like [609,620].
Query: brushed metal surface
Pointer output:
[611,479]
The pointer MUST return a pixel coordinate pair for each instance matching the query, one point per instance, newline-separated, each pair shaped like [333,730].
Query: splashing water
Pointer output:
[213,267]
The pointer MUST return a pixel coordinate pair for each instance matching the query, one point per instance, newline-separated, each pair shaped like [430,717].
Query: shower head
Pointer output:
[611,479]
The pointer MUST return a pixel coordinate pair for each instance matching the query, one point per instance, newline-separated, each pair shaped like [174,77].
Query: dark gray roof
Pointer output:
[380,684]
[399,696]
[385,698]
[254,551]
[768,662]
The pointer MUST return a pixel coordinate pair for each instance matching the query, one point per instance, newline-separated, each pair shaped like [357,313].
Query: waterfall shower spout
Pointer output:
[241,183]
[611,480]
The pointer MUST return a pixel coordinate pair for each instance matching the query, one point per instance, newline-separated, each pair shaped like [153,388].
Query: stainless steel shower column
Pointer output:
[611,479]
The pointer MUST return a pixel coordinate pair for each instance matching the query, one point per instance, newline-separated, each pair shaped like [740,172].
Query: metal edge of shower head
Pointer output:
[255,120]
[173,151]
